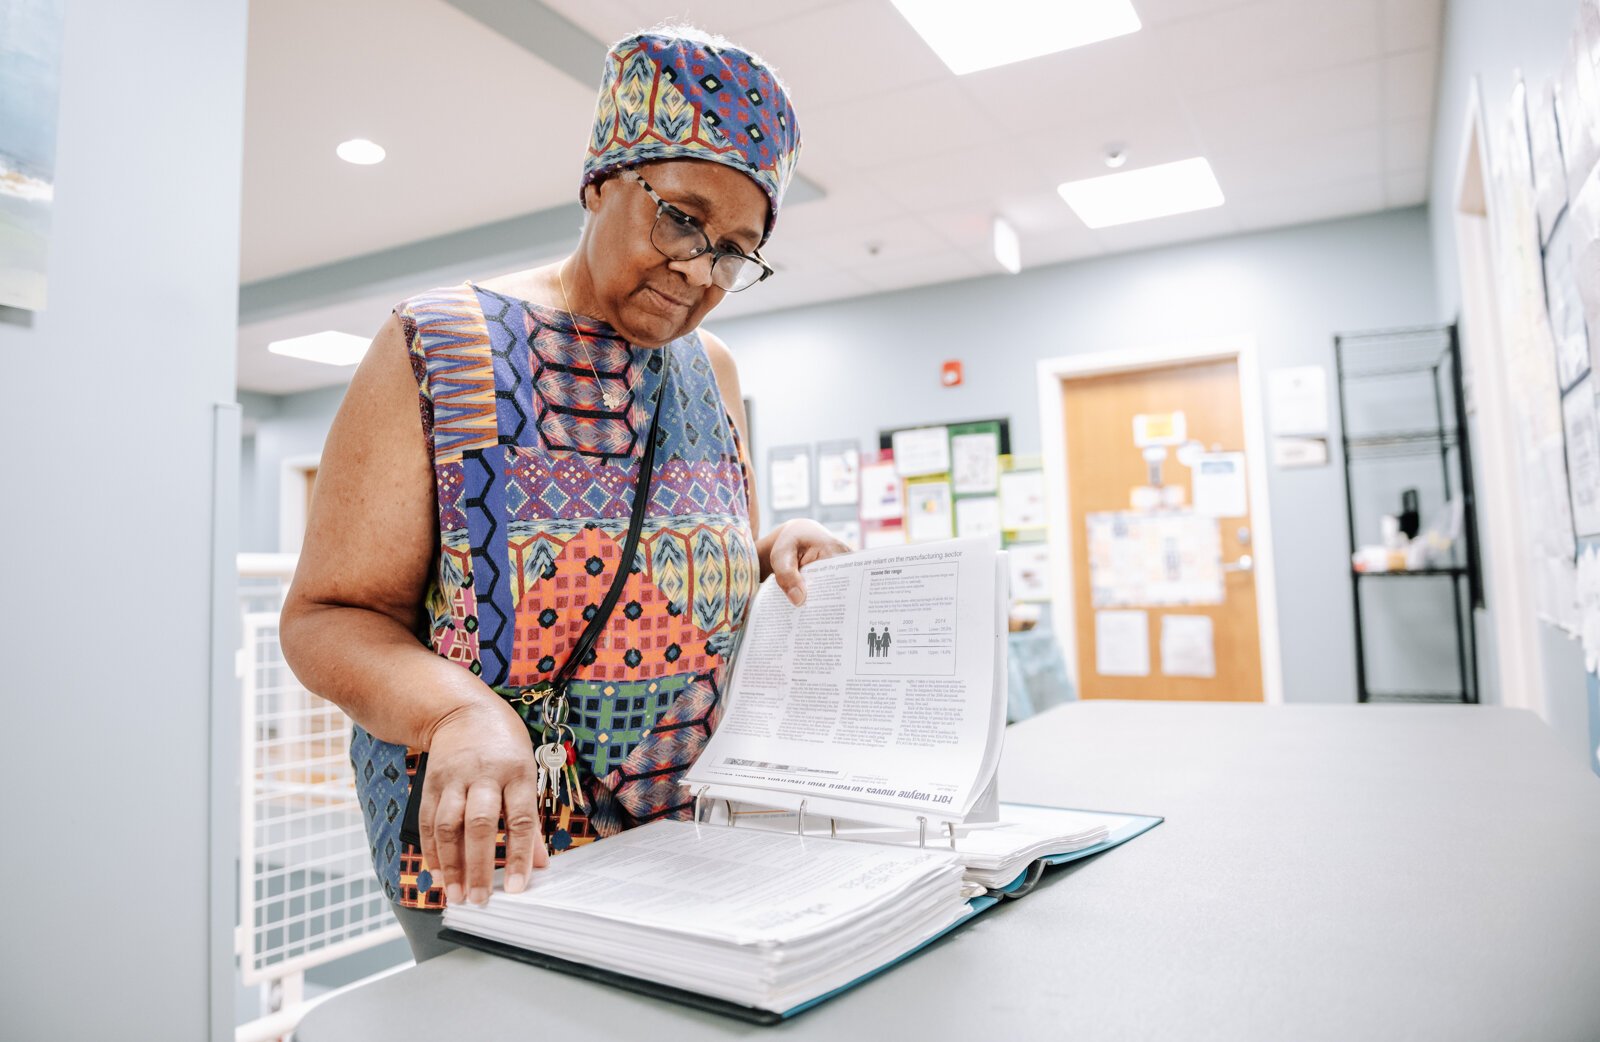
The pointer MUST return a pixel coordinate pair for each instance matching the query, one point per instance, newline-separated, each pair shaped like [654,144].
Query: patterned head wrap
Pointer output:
[666,96]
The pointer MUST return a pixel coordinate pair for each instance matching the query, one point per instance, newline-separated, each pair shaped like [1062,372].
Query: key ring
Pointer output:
[555,711]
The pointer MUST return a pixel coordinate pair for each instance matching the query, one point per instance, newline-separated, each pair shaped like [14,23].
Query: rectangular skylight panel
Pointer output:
[1140,195]
[329,348]
[969,37]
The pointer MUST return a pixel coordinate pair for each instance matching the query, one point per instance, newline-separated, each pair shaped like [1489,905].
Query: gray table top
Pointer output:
[1324,872]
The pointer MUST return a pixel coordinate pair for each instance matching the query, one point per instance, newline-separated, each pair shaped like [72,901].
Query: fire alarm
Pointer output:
[950,375]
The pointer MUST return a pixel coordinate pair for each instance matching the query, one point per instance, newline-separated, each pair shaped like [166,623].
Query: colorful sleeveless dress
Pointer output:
[535,478]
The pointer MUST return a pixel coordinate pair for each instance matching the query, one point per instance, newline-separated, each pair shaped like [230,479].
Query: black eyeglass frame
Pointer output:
[664,209]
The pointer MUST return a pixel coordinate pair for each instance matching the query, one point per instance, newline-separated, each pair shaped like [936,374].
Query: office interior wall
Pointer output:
[108,422]
[291,426]
[253,408]
[848,368]
[1491,40]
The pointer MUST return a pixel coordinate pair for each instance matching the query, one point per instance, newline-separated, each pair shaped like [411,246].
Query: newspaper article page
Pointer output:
[879,690]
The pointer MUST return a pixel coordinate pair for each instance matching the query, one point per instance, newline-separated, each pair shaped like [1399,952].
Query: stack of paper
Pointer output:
[993,855]
[997,855]
[756,918]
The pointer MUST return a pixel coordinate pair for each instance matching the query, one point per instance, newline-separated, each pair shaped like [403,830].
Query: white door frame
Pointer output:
[1504,540]
[1052,373]
[292,506]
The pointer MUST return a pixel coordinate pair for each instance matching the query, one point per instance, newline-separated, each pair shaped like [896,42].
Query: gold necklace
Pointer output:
[613,399]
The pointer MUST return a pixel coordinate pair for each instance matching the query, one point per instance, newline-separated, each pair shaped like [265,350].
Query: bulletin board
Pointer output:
[962,480]
[951,475]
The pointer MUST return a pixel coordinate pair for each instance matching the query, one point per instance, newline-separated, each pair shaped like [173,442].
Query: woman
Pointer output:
[465,588]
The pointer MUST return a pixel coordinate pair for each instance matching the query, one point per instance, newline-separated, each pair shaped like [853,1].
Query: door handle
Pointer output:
[1243,564]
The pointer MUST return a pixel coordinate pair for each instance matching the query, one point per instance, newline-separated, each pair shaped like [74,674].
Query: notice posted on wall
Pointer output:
[884,689]
[1154,560]
[881,497]
[789,478]
[838,475]
[1188,646]
[1122,643]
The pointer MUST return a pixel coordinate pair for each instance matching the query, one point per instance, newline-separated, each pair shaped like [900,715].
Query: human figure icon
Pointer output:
[883,642]
[872,641]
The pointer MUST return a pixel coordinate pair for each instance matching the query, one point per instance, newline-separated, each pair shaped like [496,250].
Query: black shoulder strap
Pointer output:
[630,546]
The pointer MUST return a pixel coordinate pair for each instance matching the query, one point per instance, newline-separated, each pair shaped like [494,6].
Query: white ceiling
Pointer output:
[476,129]
[1306,109]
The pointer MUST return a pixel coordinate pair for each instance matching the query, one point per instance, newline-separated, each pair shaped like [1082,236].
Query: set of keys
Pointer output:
[557,759]
[552,760]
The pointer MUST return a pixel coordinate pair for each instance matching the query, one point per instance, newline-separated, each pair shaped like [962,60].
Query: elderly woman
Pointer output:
[531,548]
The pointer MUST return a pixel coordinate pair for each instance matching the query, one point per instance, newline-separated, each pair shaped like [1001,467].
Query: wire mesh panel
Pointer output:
[308,892]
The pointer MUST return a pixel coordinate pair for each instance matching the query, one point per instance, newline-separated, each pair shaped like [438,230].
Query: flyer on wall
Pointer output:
[921,451]
[880,493]
[789,478]
[975,462]
[838,475]
[928,511]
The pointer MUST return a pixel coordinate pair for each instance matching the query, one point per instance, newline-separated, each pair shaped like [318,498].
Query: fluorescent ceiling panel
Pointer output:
[1139,195]
[329,348]
[970,37]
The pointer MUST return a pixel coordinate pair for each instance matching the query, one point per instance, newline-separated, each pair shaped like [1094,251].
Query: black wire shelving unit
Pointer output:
[1372,361]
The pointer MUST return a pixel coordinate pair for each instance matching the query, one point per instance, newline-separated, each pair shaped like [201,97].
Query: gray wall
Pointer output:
[108,417]
[286,426]
[1490,40]
[847,369]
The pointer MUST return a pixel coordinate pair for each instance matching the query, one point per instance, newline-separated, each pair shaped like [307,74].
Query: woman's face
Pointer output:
[646,297]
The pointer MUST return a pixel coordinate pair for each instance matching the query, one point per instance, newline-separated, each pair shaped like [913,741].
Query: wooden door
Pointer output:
[1104,466]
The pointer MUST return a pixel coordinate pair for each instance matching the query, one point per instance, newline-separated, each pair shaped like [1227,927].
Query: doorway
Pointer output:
[1161,546]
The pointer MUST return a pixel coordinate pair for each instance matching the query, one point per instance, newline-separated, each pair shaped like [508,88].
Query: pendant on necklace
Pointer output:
[613,399]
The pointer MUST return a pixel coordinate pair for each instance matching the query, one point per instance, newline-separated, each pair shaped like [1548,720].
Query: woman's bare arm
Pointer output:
[352,619]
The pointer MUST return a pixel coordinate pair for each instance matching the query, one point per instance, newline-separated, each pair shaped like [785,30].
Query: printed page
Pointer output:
[880,692]
[737,886]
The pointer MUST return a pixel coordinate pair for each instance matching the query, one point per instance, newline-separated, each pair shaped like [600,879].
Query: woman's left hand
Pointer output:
[796,544]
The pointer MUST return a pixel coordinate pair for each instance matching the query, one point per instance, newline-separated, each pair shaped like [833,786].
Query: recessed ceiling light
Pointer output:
[1139,195]
[329,348]
[360,151]
[1009,31]
[1007,247]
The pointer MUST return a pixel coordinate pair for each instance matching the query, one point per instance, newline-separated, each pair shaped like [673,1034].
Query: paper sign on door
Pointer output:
[1160,428]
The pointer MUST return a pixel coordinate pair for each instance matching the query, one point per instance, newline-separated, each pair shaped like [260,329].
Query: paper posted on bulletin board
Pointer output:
[1588,597]
[1154,560]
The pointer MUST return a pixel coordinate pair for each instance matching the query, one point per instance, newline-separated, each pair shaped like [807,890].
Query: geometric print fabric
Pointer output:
[535,478]
[663,97]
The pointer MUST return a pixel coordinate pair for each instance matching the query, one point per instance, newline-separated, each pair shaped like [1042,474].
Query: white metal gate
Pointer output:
[307,890]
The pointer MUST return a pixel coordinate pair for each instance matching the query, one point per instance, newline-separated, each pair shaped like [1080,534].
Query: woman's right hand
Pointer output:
[480,768]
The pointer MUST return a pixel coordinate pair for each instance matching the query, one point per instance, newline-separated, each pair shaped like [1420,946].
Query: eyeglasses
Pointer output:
[677,236]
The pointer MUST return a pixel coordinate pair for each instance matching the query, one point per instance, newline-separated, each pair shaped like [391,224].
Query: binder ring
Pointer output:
[922,831]
[800,819]
[699,796]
